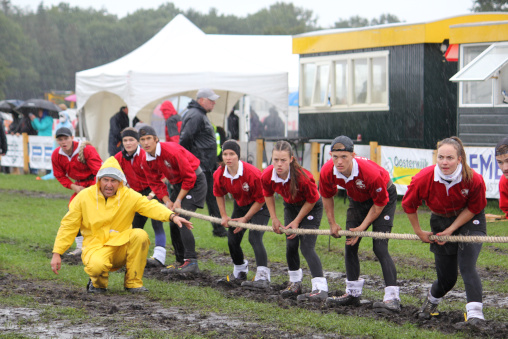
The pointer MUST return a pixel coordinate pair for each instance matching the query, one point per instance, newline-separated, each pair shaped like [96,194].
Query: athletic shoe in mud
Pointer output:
[90,288]
[343,300]
[189,266]
[256,285]
[141,289]
[387,307]
[292,290]
[230,279]
[77,252]
[316,295]
[427,311]
[171,268]
[475,324]
[152,262]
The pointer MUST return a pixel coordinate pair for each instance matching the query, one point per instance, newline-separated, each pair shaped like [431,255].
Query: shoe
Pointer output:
[293,290]
[189,266]
[242,277]
[343,300]
[152,262]
[256,285]
[141,289]
[428,310]
[171,268]
[76,252]
[316,295]
[475,323]
[90,288]
[388,306]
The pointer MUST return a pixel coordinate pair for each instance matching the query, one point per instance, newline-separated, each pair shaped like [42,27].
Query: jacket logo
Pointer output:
[245,187]
[379,189]
[167,163]
[359,183]
[464,192]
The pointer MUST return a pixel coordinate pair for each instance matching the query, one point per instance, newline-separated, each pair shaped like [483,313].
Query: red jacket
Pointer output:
[66,168]
[173,162]
[503,195]
[173,121]
[245,189]
[133,170]
[307,189]
[370,183]
[461,195]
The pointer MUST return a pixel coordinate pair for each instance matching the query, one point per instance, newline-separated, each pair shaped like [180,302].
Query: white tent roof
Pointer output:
[179,60]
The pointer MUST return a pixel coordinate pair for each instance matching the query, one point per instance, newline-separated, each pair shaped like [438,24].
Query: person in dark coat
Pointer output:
[3,139]
[23,125]
[233,126]
[273,125]
[117,124]
[198,137]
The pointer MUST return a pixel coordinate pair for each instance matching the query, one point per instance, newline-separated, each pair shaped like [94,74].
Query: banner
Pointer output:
[483,161]
[40,150]
[14,156]
[403,164]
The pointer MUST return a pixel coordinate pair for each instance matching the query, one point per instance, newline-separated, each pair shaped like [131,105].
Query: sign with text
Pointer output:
[483,161]
[14,156]
[40,150]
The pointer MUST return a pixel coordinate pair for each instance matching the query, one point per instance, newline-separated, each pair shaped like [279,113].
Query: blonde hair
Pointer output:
[467,172]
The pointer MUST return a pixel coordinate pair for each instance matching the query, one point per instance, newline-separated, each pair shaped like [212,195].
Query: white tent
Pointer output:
[179,60]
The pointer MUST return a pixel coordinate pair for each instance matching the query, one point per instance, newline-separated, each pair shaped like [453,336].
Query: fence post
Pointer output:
[314,160]
[26,169]
[259,153]
[373,151]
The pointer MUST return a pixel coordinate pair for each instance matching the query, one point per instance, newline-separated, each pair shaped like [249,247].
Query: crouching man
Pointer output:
[104,213]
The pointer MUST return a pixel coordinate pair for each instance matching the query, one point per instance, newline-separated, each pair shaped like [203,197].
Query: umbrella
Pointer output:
[34,105]
[7,106]
[71,98]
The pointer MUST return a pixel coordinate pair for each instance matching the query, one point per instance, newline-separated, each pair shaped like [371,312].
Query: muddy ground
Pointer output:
[114,315]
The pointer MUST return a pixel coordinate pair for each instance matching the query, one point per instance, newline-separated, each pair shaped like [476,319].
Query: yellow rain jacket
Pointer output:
[105,222]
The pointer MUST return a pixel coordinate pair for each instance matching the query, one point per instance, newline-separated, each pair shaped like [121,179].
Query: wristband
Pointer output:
[171,217]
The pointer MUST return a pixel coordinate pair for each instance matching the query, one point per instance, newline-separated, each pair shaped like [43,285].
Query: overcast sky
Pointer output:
[327,11]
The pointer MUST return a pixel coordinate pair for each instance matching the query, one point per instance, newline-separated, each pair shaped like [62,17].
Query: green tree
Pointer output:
[490,6]
[357,21]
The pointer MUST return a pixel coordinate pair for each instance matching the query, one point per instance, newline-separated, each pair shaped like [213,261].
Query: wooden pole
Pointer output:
[314,160]
[373,151]
[260,149]
[26,169]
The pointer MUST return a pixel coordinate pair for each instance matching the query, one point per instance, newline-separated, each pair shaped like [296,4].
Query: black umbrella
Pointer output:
[6,106]
[34,105]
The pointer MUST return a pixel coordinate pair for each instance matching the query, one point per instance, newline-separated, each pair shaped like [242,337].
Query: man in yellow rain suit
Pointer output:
[104,213]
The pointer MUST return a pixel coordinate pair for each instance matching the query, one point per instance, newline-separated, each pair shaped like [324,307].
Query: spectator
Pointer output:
[110,240]
[233,126]
[198,137]
[43,123]
[173,121]
[23,125]
[117,123]
[255,126]
[273,126]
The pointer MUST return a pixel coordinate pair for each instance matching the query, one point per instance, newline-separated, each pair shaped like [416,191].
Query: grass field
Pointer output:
[29,219]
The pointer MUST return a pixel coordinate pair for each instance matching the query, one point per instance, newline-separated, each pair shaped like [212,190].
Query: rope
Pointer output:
[376,235]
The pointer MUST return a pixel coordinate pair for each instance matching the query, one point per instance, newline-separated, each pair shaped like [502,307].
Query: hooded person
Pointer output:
[104,213]
[173,121]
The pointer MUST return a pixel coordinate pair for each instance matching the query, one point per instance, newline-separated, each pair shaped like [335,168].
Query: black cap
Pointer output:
[503,142]
[63,131]
[147,130]
[348,144]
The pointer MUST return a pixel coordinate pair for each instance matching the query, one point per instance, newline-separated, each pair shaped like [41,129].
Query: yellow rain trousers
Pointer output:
[109,242]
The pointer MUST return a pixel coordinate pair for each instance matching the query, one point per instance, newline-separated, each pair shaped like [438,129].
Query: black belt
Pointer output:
[91,177]
[389,184]
[198,170]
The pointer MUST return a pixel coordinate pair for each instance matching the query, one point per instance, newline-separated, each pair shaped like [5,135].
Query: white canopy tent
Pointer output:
[178,61]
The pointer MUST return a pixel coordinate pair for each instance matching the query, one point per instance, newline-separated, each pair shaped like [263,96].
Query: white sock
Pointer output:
[159,253]
[296,276]
[241,268]
[79,242]
[391,293]
[434,300]
[474,310]
[262,273]
[354,287]
[319,283]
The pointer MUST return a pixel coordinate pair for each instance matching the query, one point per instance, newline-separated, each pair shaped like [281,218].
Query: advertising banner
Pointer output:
[14,156]
[40,150]
[483,161]
[404,163]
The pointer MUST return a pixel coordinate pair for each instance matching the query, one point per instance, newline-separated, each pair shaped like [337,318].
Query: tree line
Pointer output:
[42,50]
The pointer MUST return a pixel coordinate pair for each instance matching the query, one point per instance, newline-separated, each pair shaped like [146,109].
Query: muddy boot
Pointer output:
[293,290]
[319,291]
[429,308]
[351,297]
[391,301]
[189,266]
[261,280]
[474,318]
[79,246]
[90,288]
[230,279]
[158,259]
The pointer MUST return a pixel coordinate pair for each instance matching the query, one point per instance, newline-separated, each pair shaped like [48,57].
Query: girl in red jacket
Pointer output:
[303,208]
[243,181]
[455,195]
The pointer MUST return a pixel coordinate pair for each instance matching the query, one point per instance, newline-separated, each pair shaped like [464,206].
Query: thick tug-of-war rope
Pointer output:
[377,235]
